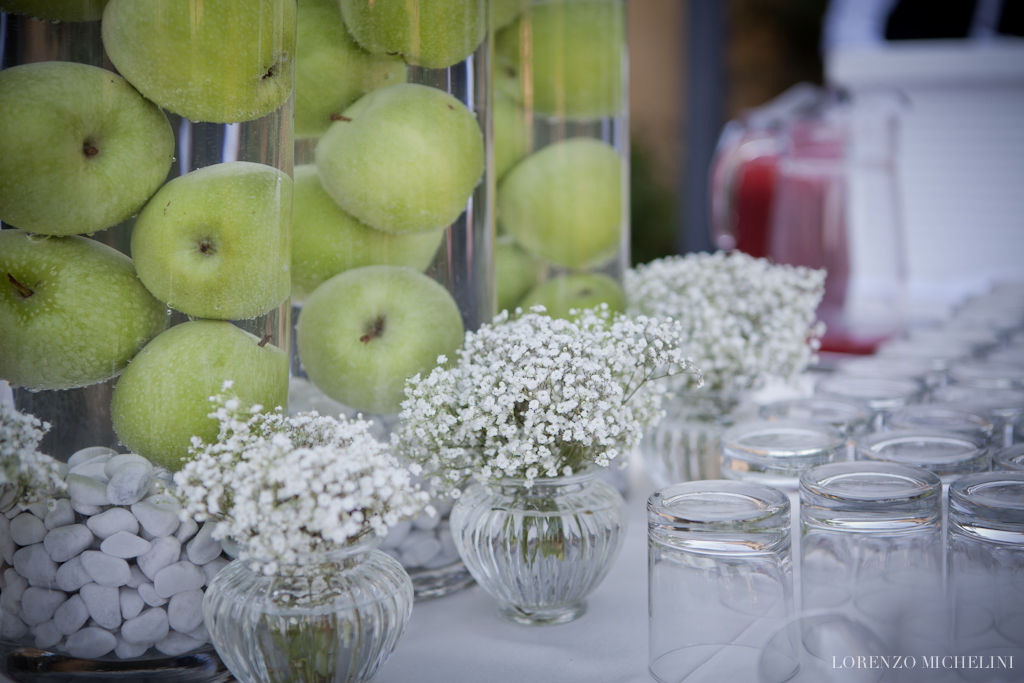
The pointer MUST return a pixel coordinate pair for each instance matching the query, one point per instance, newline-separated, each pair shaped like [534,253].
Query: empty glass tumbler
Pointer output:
[777,452]
[881,394]
[720,581]
[947,454]
[871,550]
[985,554]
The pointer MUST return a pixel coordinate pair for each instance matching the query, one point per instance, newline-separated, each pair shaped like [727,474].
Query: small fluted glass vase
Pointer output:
[540,551]
[685,445]
[336,619]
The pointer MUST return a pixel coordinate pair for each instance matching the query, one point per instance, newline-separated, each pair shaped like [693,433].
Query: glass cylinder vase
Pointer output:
[338,617]
[392,236]
[540,551]
[561,153]
[146,244]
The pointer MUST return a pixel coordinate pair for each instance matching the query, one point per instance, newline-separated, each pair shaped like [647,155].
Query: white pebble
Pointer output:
[129,483]
[95,469]
[201,634]
[6,542]
[111,465]
[448,553]
[72,575]
[396,535]
[14,585]
[39,604]
[108,523]
[87,490]
[12,513]
[34,564]
[149,596]
[204,547]
[103,603]
[85,509]
[90,643]
[426,522]
[138,578]
[38,509]
[178,577]
[72,615]
[46,634]
[165,552]
[131,604]
[65,542]
[229,547]
[156,518]
[148,627]
[102,453]
[60,515]
[177,644]
[106,570]
[126,650]
[185,611]
[27,529]
[213,567]
[125,545]
[12,628]
[186,530]
[419,548]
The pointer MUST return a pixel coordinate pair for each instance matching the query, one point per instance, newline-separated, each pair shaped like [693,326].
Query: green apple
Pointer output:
[516,273]
[512,134]
[564,203]
[162,398]
[362,333]
[576,291]
[331,70]
[80,149]
[222,62]
[403,158]
[56,10]
[215,243]
[327,241]
[572,65]
[430,33]
[72,311]
[503,12]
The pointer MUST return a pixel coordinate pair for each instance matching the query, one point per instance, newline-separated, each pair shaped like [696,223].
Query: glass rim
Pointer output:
[733,437]
[955,408]
[918,483]
[885,389]
[976,497]
[740,502]
[855,409]
[870,448]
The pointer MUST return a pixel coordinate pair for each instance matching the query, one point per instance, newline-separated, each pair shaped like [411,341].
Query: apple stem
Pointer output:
[339,117]
[266,340]
[375,331]
[24,291]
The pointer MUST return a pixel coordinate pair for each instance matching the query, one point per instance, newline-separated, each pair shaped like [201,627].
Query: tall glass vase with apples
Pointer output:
[145,199]
[392,237]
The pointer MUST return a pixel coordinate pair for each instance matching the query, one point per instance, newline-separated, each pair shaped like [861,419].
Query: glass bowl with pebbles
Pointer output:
[107,581]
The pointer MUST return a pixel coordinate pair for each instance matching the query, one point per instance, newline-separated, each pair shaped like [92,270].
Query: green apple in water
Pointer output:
[215,243]
[331,70]
[56,10]
[403,158]
[80,149]
[430,33]
[512,134]
[162,398]
[577,291]
[72,311]
[362,333]
[224,61]
[572,66]
[327,241]
[564,203]
[503,12]
[516,273]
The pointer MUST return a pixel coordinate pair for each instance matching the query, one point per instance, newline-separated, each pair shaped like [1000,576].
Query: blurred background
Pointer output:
[949,75]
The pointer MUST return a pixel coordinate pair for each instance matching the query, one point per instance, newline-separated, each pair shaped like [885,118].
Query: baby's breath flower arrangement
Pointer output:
[284,487]
[26,475]
[530,396]
[743,318]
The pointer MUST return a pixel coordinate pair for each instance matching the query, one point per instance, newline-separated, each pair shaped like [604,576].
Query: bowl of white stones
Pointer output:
[107,583]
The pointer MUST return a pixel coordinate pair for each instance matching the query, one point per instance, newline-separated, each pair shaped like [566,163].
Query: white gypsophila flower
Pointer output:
[533,396]
[286,487]
[743,318]
[26,475]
